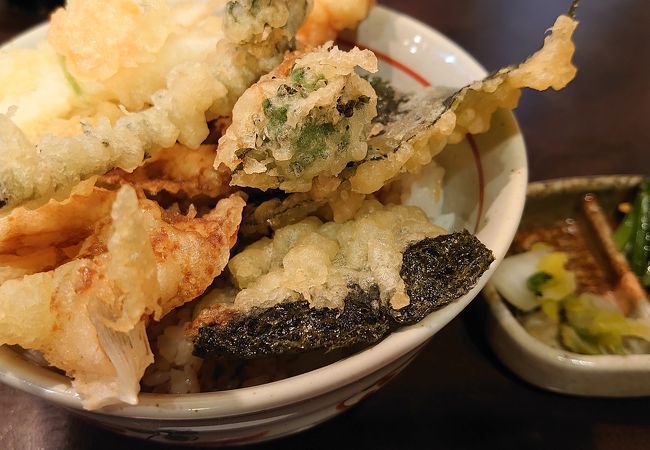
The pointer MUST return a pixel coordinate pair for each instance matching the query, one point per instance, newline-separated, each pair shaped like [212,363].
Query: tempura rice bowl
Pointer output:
[483,191]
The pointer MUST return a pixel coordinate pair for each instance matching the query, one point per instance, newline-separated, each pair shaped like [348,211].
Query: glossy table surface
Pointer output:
[456,395]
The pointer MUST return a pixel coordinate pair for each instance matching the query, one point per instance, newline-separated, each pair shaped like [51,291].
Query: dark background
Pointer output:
[455,395]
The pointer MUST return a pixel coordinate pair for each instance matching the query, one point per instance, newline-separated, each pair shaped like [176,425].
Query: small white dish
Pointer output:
[556,369]
[484,188]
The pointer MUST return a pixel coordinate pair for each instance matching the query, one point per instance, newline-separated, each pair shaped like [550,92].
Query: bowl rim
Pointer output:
[274,395]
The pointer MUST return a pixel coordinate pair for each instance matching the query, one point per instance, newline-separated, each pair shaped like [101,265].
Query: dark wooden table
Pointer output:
[456,395]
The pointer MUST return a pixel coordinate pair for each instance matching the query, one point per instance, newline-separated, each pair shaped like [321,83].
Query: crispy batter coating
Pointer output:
[86,316]
[266,145]
[436,272]
[184,173]
[329,18]
[33,82]
[97,37]
[56,223]
[195,90]
[318,261]
[179,170]
[14,266]
[309,118]
[426,122]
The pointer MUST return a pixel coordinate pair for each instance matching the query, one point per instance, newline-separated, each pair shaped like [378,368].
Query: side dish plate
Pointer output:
[551,368]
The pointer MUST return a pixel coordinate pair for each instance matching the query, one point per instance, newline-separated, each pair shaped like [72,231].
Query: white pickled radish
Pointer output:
[511,277]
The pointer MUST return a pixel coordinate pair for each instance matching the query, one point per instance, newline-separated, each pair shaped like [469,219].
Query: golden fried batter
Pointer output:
[424,126]
[86,316]
[329,18]
[192,89]
[56,223]
[179,170]
[293,125]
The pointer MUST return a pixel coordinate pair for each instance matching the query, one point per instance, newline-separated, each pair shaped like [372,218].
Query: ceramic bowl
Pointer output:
[484,191]
[551,368]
